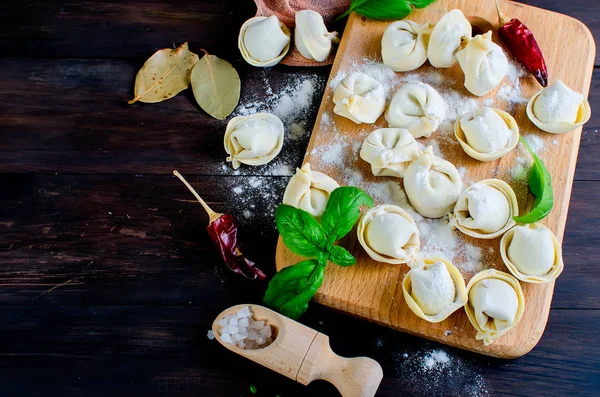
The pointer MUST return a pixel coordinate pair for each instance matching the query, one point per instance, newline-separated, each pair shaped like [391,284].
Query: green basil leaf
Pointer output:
[341,256]
[381,9]
[421,3]
[540,185]
[292,288]
[343,210]
[301,233]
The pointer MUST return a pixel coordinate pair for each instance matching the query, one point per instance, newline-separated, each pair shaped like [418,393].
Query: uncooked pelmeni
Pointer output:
[558,109]
[253,140]
[389,151]
[264,41]
[432,184]
[487,134]
[447,38]
[485,209]
[309,190]
[496,304]
[417,107]
[434,289]
[532,253]
[311,36]
[404,45]
[484,64]
[389,234]
[360,98]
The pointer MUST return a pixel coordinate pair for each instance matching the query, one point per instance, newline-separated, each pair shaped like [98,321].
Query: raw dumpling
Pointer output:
[404,45]
[432,184]
[389,151]
[496,304]
[389,234]
[487,134]
[418,108]
[264,41]
[558,109]
[311,36]
[360,98]
[532,253]
[309,190]
[434,289]
[447,39]
[253,140]
[484,64]
[485,209]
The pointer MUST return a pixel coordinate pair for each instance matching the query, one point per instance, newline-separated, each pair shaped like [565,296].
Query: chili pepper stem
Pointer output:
[502,19]
[212,215]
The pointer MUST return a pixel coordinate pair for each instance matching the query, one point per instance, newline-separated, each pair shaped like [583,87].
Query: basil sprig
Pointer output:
[385,9]
[540,185]
[291,289]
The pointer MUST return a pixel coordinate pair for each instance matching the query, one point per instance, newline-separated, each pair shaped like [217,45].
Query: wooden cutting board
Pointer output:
[372,290]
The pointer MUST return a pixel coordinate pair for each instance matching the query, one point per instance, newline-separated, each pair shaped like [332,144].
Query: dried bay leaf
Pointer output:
[165,74]
[216,86]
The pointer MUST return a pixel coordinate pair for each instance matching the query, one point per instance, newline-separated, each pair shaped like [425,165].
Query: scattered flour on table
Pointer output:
[438,372]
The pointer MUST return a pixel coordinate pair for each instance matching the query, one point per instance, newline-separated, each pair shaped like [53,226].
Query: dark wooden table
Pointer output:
[108,282]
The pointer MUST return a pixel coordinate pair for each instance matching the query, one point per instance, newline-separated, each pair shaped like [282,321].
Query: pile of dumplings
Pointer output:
[434,288]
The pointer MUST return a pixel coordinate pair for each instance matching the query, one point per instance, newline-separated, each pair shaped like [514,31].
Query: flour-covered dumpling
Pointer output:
[558,109]
[264,41]
[496,304]
[432,184]
[532,253]
[485,209]
[417,107]
[253,140]
[404,45]
[309,190]
[311,36]
[389,234]
[484,64]
[434,289]
[389,151]
[447,38]
[487,134]
[360,98]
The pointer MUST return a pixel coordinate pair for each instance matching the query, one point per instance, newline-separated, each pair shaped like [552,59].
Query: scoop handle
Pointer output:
[353,377]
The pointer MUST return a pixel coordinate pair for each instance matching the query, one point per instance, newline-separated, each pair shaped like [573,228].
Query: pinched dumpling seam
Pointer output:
[275,38]
[461,210]
[447,38]
[309,190]
[489,333]
[389,151]
[260,145]
[404,45]
[411,248]
[311,37]
[360,98]
[459,284]
[469,150]
[417,107]
[555,270]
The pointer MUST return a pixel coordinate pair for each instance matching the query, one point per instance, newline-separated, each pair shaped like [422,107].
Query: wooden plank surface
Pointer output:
[369,289]
[136,323]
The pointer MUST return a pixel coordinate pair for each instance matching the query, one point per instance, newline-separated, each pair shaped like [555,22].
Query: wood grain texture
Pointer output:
[370,290]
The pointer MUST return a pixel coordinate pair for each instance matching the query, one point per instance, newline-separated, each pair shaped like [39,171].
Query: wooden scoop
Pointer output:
[304,355]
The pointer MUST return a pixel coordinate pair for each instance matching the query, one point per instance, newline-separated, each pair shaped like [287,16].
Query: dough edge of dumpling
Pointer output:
[559,127]
[512,125]
[552,274]
[486,335]
[244,51]
[459,285]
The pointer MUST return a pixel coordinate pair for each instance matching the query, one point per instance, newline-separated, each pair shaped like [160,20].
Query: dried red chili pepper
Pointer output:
[523,45]
[222,230]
